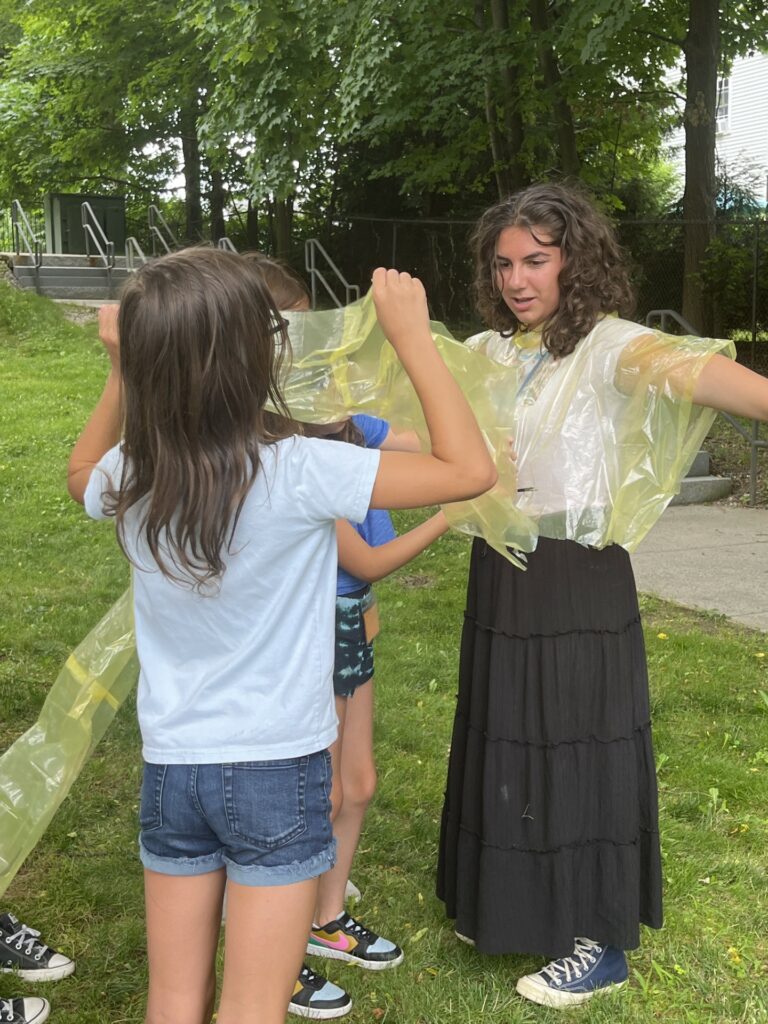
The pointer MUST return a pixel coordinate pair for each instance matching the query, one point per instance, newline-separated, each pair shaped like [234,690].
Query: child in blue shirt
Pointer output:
[367,551]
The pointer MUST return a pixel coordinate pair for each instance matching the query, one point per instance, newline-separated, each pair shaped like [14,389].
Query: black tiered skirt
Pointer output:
[550,824]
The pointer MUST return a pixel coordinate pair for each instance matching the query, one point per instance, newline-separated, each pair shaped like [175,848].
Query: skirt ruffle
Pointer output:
[550,823]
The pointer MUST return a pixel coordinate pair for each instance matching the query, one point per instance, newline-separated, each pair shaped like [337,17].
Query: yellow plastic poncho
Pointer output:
[603,438]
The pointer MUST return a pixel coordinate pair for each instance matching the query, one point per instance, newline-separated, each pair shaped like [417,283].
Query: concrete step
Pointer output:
[98,294]
[72,282]
[55,259]
[29,277]
[696,490]
[700,466]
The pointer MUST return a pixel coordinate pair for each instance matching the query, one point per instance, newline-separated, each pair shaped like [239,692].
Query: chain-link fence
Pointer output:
[735,277]
[736,273]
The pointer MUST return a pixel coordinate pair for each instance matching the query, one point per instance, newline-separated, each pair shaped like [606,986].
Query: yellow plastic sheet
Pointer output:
[37,771]
[603,438]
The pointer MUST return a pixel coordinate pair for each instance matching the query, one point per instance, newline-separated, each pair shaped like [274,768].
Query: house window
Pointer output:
[723,104]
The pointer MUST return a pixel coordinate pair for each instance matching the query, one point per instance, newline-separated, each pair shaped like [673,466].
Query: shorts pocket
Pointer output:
[266,800]
[151,804]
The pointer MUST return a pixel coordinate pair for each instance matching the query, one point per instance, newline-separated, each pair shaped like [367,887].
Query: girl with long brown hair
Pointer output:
[229,523]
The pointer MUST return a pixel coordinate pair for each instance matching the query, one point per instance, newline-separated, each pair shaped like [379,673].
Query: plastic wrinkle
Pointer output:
[548,636]
[645,727]
[39,768]
[603,436]
[582,844]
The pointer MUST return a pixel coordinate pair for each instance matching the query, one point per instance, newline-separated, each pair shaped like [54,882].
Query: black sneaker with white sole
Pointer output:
[317,998]
[23,952]
[344,938]
[30,1010]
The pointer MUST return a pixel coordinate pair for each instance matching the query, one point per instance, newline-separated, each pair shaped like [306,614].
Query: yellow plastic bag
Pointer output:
[603,436]
[37,771]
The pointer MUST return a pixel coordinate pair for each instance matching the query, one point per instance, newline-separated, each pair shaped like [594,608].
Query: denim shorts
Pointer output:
[353,657]
[266,822]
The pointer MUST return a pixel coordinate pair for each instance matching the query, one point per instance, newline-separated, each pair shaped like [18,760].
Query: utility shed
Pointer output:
[64,221]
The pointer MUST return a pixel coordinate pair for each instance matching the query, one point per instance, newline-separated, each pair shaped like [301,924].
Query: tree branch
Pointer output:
[679,43]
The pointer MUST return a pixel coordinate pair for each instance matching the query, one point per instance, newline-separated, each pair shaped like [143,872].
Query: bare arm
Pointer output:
[720,384]
[102,431]
[728,387]
[459,464]
[405,441]
[374,563]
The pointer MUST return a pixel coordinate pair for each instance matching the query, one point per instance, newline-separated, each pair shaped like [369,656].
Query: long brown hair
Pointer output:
[201,348]
[594,279]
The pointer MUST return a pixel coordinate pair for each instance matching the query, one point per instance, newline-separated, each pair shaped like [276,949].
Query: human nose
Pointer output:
[513,278]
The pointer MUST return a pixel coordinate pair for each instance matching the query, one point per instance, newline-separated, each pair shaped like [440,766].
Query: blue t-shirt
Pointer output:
[377,526]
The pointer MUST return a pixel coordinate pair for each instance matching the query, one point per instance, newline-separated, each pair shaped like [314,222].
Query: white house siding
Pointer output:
[743,142]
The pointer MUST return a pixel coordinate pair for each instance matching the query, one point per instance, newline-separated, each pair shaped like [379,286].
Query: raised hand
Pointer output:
[401,307]
[108,332]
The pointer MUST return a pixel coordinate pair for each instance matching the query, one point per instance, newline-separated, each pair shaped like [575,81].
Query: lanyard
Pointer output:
[532,372]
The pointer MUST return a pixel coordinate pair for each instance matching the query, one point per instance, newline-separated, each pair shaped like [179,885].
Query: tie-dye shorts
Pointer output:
[353,659]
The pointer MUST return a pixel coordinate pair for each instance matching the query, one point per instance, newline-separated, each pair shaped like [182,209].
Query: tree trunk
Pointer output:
[501,91]
[283,222]
[252,226]
[190,148]
[702,56]
[218,198]
[569,161]
[510,105]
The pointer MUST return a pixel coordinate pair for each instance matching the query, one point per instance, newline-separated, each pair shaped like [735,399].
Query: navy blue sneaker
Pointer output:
[30,1010]
[590,970]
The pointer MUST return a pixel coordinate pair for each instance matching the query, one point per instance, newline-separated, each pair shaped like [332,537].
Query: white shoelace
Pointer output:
[29,935]
[575,965]
[349,922]
[6,1009]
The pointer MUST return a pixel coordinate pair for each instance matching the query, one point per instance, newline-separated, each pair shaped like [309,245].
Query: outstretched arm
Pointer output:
[102,431]
[728,387]
[374,563]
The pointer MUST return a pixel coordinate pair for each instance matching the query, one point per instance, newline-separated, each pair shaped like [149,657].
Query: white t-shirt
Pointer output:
[246,673]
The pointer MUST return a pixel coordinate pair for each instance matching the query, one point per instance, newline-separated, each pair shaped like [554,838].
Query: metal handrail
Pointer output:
[22,232]
[351,291]
[133,253]
[226,243]
[94,233]
[157,225]
[752,437]
[665,315]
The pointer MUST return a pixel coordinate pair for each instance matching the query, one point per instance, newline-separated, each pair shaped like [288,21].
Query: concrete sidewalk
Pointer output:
[713,557]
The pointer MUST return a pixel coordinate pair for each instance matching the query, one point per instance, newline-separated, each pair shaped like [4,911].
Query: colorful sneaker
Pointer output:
[316,997]
[352,893]
[30,1010]
[345,939]
[591,969]
[22,951]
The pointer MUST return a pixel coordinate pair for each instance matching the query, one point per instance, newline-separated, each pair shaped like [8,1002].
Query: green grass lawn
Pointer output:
[82,884]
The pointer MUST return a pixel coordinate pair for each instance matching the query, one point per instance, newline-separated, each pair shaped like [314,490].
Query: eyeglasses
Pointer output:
[278,326]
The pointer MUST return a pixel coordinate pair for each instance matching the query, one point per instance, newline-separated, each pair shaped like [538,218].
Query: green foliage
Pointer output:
[382,107]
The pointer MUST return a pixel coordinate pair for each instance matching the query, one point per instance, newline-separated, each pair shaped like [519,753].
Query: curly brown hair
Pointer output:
[594,279]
